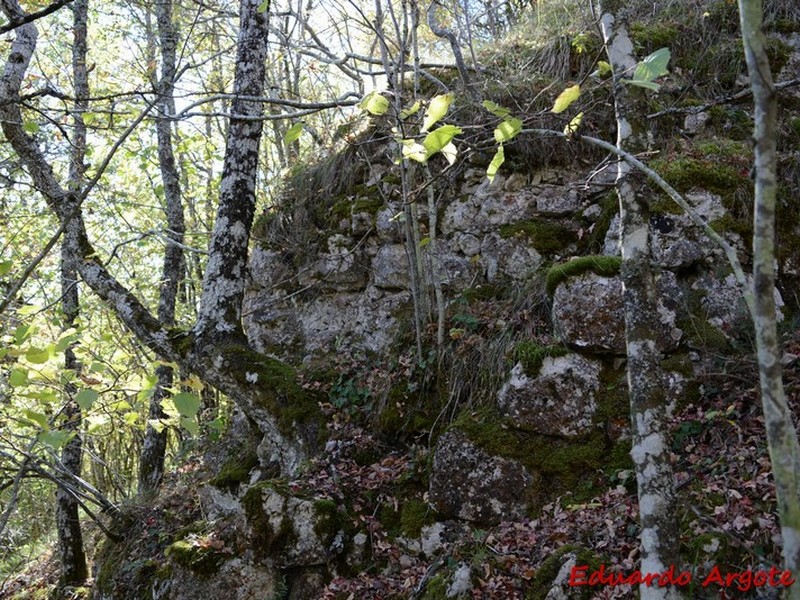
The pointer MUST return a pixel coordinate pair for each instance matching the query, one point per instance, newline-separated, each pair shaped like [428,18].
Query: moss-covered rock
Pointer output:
[531,355]
[605,266]
[236,470]
[291,530]
[201,559]
[544,235]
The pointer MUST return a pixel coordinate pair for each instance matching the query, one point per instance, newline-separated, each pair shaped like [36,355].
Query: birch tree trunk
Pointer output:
[781,434]
[649,409]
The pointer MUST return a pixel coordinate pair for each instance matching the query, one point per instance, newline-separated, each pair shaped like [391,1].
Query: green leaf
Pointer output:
[56,439]
[31,127]
[507,130]
[437,139]
[22,333]
[567,97]
[414,151]
[186,404]
[648,85]
[437,108]
[66,340]
[85,398]
[263,7]
[573,125]
[97,366]
[18,377]
[496,109]
[424,242]
[28,309]
[407,112]
[651,67]
[38,418]
[131,417]
[5,267]
[603,69]
[37,356]
[293,133]
[374,104]
[499,159]
[190,424]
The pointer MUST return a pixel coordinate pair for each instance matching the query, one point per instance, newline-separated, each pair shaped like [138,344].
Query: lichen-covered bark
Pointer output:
[781,433]
[223,283]
[70,537]
[649,410]
[151,464]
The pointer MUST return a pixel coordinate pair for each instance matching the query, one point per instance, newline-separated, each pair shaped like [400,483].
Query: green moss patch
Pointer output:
[344,209]
[546,237]
[685,173]
[278,389]
[201,560]
[236,470]
[572,465]
[605,266]
[531,355]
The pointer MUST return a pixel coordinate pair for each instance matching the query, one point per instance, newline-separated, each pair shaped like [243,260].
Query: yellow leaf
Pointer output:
[567,97]
[572,127]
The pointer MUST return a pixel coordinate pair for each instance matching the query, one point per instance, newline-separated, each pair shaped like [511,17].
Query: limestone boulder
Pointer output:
[235,579]
[588,313]
[724,306]
[486,208]
[271,321]
[468,483]
[365,321]
[676,242]
[508,257]
[560,400]
[343,268]
[269,269]
[390,268]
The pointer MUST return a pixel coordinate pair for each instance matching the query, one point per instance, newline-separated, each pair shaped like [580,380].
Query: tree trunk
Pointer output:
[781,434]
[70,537]
[151,467]
[649,409]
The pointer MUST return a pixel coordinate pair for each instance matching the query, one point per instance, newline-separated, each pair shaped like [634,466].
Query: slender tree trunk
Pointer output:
[151,467]
[223,283]
[70,537]
[781,433]
[649,410]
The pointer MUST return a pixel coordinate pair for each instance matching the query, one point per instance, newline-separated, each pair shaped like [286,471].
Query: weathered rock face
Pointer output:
[291,531]
[588,313]
[724,304]
[559,400]
[345,292]
[467,483]
[235,579]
